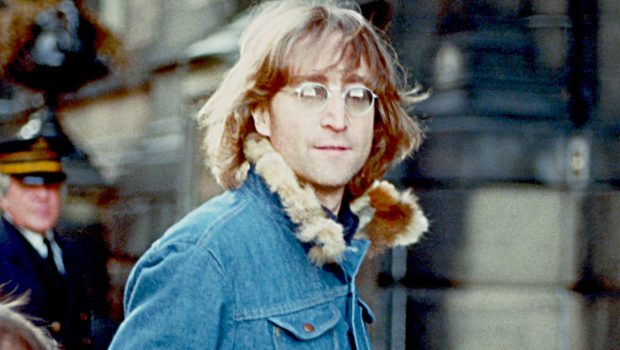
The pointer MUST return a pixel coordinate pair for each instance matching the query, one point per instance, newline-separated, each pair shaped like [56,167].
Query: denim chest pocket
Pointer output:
[318,327]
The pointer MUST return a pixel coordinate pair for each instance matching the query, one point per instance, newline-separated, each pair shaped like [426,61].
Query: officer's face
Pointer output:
[35,207]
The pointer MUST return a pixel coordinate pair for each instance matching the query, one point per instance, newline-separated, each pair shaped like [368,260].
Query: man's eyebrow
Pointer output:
[355,78]
[319,78]
[322,78]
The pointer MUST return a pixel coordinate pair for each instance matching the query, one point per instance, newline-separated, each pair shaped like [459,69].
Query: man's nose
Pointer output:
[335,115]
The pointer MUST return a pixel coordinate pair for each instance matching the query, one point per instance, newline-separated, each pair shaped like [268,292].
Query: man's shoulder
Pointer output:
[12,248]
[219,229]
[8,235]
[226,217]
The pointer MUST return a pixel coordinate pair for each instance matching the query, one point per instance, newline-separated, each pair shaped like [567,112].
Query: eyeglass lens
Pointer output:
[314,96]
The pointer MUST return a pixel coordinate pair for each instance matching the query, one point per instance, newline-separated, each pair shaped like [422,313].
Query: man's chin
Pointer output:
[40,228]
[326,176]
[330,182]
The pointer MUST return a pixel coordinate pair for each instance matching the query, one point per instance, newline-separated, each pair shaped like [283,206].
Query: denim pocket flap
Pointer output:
[308,323]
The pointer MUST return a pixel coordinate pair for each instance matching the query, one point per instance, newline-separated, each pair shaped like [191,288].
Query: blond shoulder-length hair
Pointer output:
[18,332]
[264,67]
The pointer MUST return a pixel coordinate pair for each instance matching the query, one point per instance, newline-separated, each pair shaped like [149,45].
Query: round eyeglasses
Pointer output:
[313,97]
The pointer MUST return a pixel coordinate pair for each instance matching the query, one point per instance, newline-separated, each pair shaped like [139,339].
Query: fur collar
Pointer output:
[388,218]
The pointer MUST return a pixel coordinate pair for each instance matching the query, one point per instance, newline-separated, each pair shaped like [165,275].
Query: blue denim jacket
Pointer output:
[232,275]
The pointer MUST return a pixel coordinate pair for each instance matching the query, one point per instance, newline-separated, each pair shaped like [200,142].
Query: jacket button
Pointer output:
[55,327]
[308,327]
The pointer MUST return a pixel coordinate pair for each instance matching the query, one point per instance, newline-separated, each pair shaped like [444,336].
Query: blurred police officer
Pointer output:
[34,258]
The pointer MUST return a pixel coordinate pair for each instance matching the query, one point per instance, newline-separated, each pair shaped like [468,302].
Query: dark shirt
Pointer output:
[346,218]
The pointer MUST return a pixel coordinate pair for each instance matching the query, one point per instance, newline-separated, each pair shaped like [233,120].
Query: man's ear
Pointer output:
[262,120]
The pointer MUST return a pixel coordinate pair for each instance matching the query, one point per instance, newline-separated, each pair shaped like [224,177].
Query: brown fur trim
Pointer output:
[397,219]
[328,239]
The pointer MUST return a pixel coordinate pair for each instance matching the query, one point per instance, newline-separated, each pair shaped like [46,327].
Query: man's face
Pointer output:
[325,147]
[35,207]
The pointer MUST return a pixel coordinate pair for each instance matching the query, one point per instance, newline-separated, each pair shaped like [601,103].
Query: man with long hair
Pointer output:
[299,134]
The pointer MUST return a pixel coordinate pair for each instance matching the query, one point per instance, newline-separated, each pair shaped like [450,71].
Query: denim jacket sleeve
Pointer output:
[176,298]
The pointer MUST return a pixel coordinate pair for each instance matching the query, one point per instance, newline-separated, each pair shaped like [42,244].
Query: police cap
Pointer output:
[34,162]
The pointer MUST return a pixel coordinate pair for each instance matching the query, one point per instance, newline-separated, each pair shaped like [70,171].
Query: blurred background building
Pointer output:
[519,172]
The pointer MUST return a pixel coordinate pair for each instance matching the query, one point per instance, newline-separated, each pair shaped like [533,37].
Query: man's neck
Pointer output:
[330,197]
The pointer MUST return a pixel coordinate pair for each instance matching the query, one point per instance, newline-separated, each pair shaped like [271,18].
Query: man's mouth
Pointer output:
[332,148]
